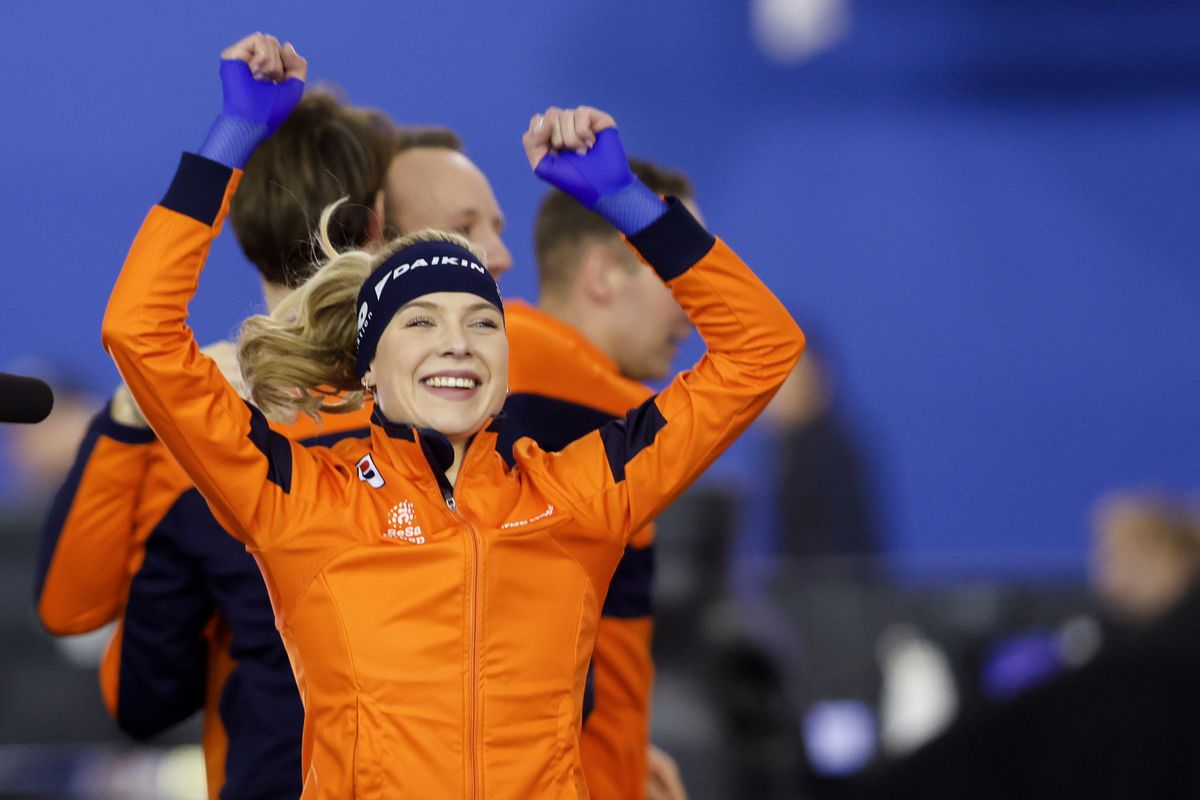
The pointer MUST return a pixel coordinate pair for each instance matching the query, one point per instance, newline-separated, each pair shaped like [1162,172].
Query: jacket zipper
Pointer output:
[472,695]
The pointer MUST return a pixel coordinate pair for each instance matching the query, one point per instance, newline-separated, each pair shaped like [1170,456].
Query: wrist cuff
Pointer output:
[631,208]
[231,140]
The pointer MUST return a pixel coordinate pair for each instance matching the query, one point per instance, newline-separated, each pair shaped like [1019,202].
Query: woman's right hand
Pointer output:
[262,79]
[261,82]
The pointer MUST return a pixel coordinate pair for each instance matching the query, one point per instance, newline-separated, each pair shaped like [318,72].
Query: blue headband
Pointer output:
[409,273]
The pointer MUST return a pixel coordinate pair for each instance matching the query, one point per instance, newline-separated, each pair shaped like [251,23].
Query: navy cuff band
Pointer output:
[198,188]
[673,242]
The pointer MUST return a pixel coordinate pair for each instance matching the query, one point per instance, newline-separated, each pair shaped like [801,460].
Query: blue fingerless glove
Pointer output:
[251,112]
[602,181]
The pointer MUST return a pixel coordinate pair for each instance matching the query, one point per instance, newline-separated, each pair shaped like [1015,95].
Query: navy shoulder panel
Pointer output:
[330,439]
[550,422]
[624,439]
[198,188]
[275,446]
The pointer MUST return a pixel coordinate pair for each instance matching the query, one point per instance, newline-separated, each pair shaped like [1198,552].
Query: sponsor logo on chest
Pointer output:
[401,524]
[368,473]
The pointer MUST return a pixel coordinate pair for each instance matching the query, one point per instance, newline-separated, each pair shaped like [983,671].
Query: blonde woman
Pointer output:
[438,607]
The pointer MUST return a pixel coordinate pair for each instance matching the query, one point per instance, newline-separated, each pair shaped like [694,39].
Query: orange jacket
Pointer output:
[562,386]
[439,635]
[129,539]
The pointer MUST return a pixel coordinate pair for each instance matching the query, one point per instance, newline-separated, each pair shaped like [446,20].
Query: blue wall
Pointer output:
[989,208]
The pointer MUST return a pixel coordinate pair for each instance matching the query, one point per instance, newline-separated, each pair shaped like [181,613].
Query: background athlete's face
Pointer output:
[434,187]
[442,363]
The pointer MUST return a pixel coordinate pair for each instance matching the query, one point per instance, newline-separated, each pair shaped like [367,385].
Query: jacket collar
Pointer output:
[416,451]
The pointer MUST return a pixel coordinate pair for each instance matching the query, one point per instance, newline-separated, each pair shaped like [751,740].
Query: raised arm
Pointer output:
[120,487]
[622,475]
[224,445]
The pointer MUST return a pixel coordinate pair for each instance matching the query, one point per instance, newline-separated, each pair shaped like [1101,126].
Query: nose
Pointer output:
[456,343]
[499,259]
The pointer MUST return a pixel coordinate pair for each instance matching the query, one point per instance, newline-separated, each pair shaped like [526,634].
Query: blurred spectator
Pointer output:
[1145,555]
[822,495]
[1121,726]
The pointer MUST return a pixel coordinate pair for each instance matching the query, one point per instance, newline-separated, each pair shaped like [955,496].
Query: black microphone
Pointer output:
[24,399]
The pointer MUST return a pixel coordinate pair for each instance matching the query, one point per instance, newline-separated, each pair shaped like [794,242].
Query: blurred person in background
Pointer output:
[131,539]
[1145,556]
[800,680]
[1122,725]
[603,325]
[823,500]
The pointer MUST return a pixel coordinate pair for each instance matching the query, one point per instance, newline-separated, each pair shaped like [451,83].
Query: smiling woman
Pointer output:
[427,339]
[439,606]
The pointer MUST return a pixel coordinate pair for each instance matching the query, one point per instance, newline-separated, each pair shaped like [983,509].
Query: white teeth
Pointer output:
[448,382]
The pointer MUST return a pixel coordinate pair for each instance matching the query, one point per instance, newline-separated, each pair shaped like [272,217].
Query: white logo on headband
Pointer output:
[445,261]
[364,314]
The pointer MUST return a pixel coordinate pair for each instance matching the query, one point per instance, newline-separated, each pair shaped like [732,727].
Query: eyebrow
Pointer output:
[482,304]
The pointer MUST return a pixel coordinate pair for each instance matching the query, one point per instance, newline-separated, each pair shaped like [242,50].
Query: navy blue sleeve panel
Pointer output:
[264,720]
[198,188]
[550,422]
[589,693]
[674,242]
[624,439]
[231,577]
[164,652]
[275,446]
[102,425]
[630,595]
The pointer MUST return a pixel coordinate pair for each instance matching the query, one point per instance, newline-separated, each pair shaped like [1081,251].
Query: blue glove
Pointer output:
[602,181]
[251,112]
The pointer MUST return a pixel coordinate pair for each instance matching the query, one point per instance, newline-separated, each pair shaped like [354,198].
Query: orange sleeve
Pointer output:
[90,533]
[624,474]
[245,469]
[616,735]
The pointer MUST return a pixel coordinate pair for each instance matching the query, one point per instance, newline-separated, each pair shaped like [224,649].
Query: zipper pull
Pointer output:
[450,503]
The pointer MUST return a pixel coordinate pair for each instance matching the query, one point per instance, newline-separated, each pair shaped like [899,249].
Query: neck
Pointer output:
[579,316]
[460,452]
[273,293]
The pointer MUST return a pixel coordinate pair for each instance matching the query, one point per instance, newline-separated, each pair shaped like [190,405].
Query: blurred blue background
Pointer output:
[985,210]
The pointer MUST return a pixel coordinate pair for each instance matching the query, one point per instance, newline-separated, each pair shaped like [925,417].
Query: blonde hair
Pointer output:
[301,357]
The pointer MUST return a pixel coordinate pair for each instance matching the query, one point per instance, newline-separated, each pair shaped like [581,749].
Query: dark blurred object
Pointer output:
[1121,726]
[822,499]
[39,456]
[24,400]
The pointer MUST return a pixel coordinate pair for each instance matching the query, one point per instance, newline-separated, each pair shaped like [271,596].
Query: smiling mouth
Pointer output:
[449,382]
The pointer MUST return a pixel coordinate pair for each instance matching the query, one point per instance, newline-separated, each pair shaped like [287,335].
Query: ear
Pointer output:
[600,274]
[368,379]
[375,223]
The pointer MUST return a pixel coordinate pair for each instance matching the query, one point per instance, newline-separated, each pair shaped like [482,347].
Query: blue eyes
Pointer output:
[426,322]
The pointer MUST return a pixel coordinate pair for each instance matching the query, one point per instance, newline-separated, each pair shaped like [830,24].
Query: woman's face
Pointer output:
[442,363]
